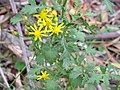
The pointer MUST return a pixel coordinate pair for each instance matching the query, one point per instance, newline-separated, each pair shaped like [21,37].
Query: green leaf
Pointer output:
[69,88]
[85,24]
[71,47]
[90,67]
[80,36]
[17,18]
[77,4]
[32,8]
[19,65]
[76,72]
[100,48]
[66,60]
[43,2]
[52,85]
[66,63]
[32,2]
[56,5]
[90,50]
[84,80]
[33,72]
[50,53]
[94,79]
[116,77]
[76,82]
[40,59]
[103,69]
[93,28]
[89,14]
[29,9]
[90,87]
[106,79]
[109,5]
[64,3]
[31,76]
[74,17]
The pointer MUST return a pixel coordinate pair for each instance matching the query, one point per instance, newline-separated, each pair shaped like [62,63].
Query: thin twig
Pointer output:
[14,9]
[21,35]
[4,78]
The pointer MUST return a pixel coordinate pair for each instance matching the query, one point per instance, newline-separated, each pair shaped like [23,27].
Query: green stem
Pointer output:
[118,86]
[21,71]
[63,10]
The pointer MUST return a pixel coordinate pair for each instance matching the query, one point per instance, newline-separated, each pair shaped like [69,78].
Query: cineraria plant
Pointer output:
[55,43]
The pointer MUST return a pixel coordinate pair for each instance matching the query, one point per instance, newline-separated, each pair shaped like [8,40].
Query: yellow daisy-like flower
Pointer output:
[44,14]
[44,76]
[14,32]
[45,23]
[54,13]
[38,32]
[56,19]
[56,29]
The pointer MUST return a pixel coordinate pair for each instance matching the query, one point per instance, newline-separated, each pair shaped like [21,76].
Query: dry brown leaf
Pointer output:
[117,65]
[4,18]
[114,41]
[117,45]
[114,49]
[85,7]
[3,11]
[96,59]
[68,16]
[94,23]
[15,49]
[104,14]
[109,55]
[18,82]
[72,11]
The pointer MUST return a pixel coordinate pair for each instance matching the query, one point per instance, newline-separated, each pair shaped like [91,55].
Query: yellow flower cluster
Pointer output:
[47,24]
[44,76]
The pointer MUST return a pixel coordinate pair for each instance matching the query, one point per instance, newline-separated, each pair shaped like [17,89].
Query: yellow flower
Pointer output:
[14,32]
[44,14]
[45,23]
[56,29]
[44,76]
[54,13]
[56,19]
[38,32]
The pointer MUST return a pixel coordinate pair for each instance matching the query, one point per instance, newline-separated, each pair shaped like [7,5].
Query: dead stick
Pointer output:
[21,35]
[4,78]
[14,9]
[104,36]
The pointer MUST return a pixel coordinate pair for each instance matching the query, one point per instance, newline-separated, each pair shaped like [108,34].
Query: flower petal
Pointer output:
[35,38]
[35,27]
[40,39]
[31,33]
[32,28]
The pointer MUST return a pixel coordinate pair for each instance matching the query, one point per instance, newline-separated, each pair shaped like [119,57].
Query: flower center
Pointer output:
[37,33]
[48,23]
[56,29]
[44,76]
